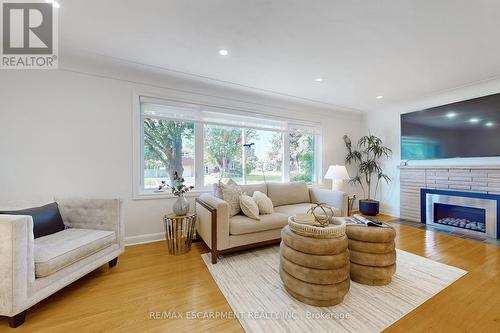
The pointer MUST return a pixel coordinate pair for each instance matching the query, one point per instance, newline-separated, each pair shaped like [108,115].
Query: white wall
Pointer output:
[69,132]
[385,123]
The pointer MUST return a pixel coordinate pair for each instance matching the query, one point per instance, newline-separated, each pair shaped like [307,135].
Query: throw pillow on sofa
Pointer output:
[231,193]
[217,190]
[217,187]
[46,219]
[264,203]
[249,207]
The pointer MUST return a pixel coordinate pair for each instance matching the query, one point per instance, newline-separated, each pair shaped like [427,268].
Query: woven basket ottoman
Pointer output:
[372,253]
[314,270]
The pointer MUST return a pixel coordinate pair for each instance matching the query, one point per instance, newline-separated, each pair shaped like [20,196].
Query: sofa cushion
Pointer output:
[249,189]
[249,207]
[46,219]
[291,210]
[217,190]
[288,193]
[263,202]
[217,187]
[231,193]
[57,251]
[241,224]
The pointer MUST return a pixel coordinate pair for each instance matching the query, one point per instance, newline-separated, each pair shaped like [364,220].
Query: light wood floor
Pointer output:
[147,279]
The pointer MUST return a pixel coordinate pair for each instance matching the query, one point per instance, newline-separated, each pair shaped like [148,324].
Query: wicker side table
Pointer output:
[179,232]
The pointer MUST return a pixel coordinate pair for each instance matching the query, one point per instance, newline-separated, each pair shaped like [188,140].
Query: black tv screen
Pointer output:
[464,129]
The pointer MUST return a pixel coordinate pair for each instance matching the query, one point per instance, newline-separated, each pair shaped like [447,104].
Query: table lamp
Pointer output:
[337,173]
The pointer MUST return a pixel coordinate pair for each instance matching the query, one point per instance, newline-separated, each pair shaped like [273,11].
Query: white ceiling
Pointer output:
[402,49]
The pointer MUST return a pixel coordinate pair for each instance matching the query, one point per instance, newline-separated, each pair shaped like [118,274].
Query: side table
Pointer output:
[179,232]
[314,263]
[372,252]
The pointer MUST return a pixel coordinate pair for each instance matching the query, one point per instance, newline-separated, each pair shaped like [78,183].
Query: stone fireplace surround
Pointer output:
[477,179]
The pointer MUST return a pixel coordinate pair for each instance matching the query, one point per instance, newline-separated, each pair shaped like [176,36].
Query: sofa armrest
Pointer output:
[100,214]
[17,265]
[213,222]
[337,199]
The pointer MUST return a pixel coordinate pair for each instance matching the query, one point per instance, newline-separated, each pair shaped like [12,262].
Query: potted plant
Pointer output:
[181,206]
[367,156]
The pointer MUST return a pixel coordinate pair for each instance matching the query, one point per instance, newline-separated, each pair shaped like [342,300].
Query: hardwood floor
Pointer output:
[147,280]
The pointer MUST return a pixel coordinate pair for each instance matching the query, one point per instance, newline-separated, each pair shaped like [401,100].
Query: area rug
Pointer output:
[251,283]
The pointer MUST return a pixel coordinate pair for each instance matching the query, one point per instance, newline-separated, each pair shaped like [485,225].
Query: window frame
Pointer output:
[139,192]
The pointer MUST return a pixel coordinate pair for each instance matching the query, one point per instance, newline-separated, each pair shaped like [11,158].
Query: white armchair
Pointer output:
[33,269]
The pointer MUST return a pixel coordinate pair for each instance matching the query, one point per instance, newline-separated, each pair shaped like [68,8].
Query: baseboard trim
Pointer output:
[144,239]
[390,213]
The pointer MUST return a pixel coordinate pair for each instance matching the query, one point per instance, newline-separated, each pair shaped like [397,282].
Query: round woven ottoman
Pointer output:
[315,270]
[372,253]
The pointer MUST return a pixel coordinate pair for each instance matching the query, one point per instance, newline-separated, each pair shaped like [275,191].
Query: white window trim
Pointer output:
[139,193]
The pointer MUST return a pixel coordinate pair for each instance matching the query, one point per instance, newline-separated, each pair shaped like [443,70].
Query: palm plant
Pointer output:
[367,156]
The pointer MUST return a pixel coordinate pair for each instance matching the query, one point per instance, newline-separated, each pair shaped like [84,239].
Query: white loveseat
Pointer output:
[33,269]
[223,233]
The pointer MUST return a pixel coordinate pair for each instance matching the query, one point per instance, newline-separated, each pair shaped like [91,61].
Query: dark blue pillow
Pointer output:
[46,219]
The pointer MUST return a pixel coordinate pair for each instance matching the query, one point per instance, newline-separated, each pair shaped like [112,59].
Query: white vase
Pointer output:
[181,206]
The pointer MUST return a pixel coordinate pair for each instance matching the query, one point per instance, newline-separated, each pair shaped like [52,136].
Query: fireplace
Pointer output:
[460,216]
[468,212]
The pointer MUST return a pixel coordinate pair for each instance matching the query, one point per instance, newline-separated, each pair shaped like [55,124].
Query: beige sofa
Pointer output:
[33,269]
[223,233]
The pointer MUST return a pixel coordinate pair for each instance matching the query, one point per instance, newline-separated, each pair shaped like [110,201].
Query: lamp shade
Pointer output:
[337,172]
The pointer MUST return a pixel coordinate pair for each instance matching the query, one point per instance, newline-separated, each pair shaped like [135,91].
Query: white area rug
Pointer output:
[251,283]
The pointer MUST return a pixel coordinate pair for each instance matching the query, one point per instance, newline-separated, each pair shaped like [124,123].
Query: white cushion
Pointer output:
[288,193]
[291,210]
[241,224]
[57,251]
[249,207]
[263,202]
[231,193]
[250,189]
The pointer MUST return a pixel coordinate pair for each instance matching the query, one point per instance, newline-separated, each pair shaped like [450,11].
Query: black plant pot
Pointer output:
[369,207]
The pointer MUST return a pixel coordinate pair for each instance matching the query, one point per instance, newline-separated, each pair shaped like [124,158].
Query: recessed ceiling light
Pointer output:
[451,115]
[490,124]
[379,97]
[318,79]
[473,120]
[223,52]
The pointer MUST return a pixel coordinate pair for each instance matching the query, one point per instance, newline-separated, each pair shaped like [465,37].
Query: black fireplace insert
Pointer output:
[460,217]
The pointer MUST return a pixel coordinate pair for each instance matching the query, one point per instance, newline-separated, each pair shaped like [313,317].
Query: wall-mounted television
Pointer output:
[468,128]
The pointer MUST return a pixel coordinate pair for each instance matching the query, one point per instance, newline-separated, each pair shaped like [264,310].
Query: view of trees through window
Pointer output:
[168,147]
[223,148]
[301,157]
[264,158]
[244,154]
